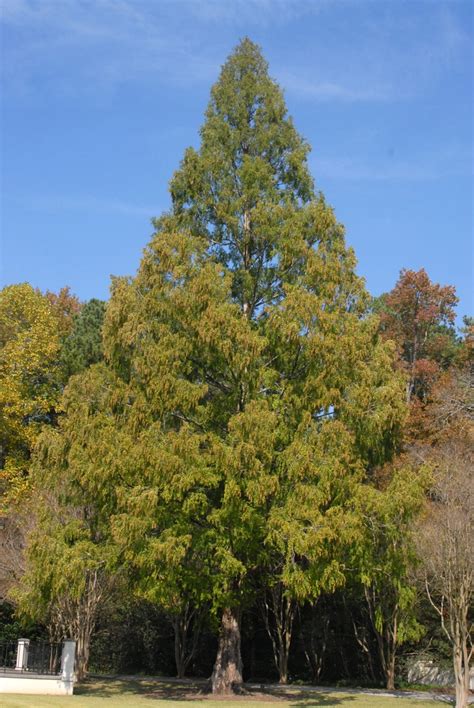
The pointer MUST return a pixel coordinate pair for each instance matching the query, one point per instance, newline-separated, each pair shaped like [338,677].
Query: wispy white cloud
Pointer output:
[100,44]
[388,54]
[106,41]
[318,90]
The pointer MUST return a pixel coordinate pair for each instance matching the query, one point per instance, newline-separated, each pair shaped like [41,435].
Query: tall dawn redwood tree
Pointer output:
[259,392]
[245,391]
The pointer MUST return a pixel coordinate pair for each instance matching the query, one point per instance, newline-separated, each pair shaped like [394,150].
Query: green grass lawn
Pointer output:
[160,694]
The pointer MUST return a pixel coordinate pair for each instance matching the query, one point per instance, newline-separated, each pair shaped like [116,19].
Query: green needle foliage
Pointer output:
[245,392]
[82,347]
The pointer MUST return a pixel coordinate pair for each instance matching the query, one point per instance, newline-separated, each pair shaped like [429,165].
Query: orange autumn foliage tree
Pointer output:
[65,307]
[418,315]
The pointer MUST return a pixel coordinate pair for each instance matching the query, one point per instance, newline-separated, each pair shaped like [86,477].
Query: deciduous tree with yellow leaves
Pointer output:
[29,391]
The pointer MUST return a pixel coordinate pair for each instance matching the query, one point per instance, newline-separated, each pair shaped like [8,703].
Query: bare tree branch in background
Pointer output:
[446,539]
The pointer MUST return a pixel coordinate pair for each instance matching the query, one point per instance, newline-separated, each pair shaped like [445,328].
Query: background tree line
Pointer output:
[243,455]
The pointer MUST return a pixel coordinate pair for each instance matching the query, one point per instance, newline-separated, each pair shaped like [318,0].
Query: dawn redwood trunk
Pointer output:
[227,672]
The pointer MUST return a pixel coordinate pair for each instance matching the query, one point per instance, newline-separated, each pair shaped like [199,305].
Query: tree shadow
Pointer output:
[158,689]
[190,691]
[177,692]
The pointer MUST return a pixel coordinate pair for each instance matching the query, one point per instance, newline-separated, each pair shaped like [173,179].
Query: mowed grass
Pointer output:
[162,694]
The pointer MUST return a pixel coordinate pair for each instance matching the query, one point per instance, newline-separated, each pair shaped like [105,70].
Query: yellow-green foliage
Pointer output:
[29,346]
[385,552]
[245,391]
[259,390]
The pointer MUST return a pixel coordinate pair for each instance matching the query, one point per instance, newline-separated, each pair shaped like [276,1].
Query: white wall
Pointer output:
[45,685]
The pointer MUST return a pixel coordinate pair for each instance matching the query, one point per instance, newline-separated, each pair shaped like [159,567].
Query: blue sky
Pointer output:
[101,97]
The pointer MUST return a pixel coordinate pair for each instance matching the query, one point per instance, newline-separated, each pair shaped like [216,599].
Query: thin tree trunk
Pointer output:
[461,661]
[186,627]
[179,646]
[458,634]
[283,665]
[390,673]
[462,653]
[387,639]
[82,657]
[76,618]
[282,609]
[227,674]
[84,628]
[362,641]
[461,676]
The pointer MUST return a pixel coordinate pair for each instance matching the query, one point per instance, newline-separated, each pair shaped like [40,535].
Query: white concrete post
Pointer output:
[67,660]
[22,654]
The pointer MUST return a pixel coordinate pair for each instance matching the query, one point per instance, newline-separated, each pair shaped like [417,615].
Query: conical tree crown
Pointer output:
[250,150]
[248,177]
[247,289]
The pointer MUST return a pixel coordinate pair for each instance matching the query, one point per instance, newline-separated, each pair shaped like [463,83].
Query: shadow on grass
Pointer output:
[146,688]
[188,691]
[305,699]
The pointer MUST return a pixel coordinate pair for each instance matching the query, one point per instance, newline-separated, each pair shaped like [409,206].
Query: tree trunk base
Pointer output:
[226,677]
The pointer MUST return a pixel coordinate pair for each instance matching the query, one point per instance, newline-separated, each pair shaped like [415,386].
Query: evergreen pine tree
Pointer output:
[82,346]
